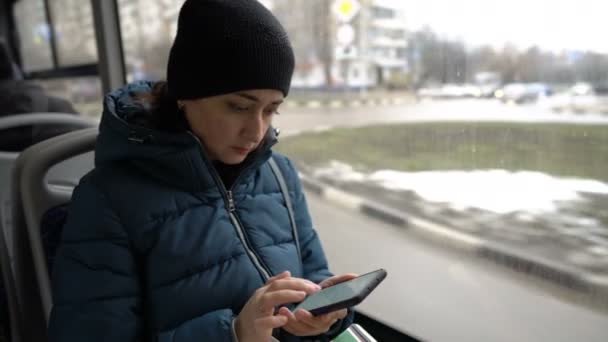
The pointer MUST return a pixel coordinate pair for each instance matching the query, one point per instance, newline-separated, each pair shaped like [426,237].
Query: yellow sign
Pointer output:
[346,7]
[345,10]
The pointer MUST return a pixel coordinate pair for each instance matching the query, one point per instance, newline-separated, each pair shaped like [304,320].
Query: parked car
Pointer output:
[450,91]
[523,92]
[582,98]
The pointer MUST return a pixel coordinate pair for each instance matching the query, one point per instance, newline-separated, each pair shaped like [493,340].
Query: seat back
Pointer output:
[9,131]
[38,186]
[8,68]
[58,123]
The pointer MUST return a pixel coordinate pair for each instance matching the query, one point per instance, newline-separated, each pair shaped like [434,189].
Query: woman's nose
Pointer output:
[256,127]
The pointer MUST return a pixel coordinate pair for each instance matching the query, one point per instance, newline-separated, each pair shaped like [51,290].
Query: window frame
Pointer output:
[105,14]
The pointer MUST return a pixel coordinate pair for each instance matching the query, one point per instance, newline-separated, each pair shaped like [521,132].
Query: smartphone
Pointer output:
[342,295]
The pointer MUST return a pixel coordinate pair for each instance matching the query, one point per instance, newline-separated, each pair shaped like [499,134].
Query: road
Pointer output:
[293,120]
[433,293]
[440,295]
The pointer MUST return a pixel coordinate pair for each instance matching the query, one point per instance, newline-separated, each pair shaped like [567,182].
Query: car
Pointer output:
[582,98]
[523,92]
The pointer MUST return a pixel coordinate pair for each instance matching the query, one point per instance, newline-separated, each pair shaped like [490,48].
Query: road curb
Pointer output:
[517,260]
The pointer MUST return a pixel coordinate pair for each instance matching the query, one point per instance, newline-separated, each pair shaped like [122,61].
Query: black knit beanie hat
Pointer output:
[224,46]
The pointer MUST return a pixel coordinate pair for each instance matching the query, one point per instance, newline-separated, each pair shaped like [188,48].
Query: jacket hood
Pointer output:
[127,135]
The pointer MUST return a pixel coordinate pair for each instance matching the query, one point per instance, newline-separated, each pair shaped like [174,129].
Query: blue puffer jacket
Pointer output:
[149,251]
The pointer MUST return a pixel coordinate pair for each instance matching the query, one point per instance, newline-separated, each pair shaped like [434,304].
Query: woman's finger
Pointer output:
[303,314]
[270,322]
[293,326]
[323,322]
[333,315]
[341,314]
[337,279]
[302,328]
[299,329]
[271,299]
[308,319]
[294,284]
[284,274]
[287,313]
[326,321]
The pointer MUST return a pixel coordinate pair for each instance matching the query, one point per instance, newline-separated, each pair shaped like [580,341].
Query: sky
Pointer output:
[551,24]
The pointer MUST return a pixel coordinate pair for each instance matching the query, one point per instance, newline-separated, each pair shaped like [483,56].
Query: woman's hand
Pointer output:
[257,319]
[337,279]
[303,323]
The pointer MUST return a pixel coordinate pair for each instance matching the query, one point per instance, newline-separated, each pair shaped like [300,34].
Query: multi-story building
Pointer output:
[363,47]
[361,44]
[377,56]
[387,41]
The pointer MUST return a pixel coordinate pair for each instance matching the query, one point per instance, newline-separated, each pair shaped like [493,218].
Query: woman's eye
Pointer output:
[272,112]
[237,108]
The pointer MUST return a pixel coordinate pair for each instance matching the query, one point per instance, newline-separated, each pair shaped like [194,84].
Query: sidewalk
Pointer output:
[523,259]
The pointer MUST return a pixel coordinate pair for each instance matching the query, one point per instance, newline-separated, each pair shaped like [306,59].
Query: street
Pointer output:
[438,295]
[293,120]
[431,292]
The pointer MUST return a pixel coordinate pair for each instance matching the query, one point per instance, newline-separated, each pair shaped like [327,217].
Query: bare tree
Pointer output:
[322,33]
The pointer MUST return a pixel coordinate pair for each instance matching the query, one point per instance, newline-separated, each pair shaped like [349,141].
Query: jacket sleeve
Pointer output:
[96,283]
[314,262]
[212,326]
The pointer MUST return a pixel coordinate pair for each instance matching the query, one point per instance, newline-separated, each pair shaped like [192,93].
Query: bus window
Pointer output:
[84,92]
[73,24]
[464,151]
[147,30]
[34,35]
[440,119]
[461,123]
[58,51]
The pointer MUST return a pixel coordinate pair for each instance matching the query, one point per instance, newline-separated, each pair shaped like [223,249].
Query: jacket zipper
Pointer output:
[231,207]
[235,220]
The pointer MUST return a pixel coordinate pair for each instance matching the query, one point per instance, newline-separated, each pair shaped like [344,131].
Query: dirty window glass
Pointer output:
[34,35]
[73,21]
[147,30]
[460,145]
[473,136]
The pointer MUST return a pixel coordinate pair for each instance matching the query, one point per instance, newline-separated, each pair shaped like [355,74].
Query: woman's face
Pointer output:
[232,125]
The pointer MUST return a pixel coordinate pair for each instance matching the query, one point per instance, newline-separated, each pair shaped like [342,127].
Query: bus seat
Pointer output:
[40,187]
[57,123]
[8,68]
[11,144]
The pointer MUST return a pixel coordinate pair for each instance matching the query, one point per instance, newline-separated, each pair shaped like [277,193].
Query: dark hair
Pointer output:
[164,113]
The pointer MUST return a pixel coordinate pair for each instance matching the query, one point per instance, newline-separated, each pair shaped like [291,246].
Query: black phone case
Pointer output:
[353,301]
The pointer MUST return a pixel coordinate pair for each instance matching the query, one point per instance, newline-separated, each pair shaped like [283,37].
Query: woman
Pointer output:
[181,232]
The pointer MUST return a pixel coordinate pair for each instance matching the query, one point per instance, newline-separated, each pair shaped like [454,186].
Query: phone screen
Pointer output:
[339,292]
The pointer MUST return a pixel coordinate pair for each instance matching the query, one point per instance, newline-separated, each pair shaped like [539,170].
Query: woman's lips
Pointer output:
[240,150]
